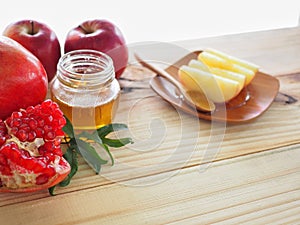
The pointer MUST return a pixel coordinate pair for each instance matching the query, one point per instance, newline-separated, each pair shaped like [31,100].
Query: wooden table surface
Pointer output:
[181,170]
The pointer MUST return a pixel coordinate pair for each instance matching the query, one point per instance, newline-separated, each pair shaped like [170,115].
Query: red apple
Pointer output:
[23,79]
[40,40]
[103,36]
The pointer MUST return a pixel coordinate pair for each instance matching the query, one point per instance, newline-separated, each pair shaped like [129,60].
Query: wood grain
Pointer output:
[248,175]
[251,190]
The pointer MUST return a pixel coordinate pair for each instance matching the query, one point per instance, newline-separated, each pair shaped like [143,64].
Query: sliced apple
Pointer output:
[212,60]
[218,89]
[219,76]
[232,59]
[240,78]
[250,74]
[198,65]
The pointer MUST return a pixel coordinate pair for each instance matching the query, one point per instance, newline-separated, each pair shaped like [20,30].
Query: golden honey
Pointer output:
[89,117]
[85,89]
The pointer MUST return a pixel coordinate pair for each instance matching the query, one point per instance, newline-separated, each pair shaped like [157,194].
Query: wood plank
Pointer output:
[230,191]
[167,139]
[276,51]
[169,176]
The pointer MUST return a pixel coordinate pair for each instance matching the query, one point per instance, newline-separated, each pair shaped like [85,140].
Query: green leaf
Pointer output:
[108,152]
[68,128]
[117,143]
[110,142]
[82,144]
[103,131]
[71,157]
[89,153]
[51,190]
[91,136]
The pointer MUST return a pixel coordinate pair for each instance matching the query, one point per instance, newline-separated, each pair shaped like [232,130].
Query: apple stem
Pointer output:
[32,27]
[85,30]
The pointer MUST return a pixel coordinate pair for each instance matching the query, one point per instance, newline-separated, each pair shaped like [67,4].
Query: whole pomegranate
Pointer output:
[23,79]
[30,154]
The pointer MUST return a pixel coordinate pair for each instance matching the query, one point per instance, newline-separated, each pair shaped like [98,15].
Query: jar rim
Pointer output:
[102,71]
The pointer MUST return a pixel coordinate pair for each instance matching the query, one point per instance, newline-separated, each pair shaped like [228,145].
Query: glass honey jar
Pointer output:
[85,88]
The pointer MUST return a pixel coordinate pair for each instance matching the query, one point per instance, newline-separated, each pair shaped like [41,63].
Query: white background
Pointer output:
[158,20]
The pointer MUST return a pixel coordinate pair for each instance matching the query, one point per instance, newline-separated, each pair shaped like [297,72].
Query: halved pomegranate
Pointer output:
[30,154]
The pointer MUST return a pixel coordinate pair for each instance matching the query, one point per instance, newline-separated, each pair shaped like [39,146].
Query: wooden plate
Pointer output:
[249,104]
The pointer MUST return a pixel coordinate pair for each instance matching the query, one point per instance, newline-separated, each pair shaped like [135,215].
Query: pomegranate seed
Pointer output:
[2,140]
[40,166]
[3,130]
[30,109]
[54,106]
[55,125]
[49,146]
[22,135]
[31,136]
[50,171]
[60,133]
[16,122]
[13,146]
[14,130]
[42,179]
[8,136]
[61,121]
[29,164]
[41,122]
[9,122]
[49,119]
[10,151]
[33,124]
[46,104]
[47,128]
[57,151]
[37,109]
[24,127]
[25,120]
[49,136]
[57,113]
[39,132]
[3,160]
[16,115]
[25,154]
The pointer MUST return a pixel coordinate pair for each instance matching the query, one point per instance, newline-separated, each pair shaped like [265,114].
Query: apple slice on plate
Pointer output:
[218,89]
[240,78]
[212,60]
[235,60]
[250,103]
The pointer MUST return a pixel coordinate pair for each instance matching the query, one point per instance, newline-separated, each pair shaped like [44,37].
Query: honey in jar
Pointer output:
[85,88]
